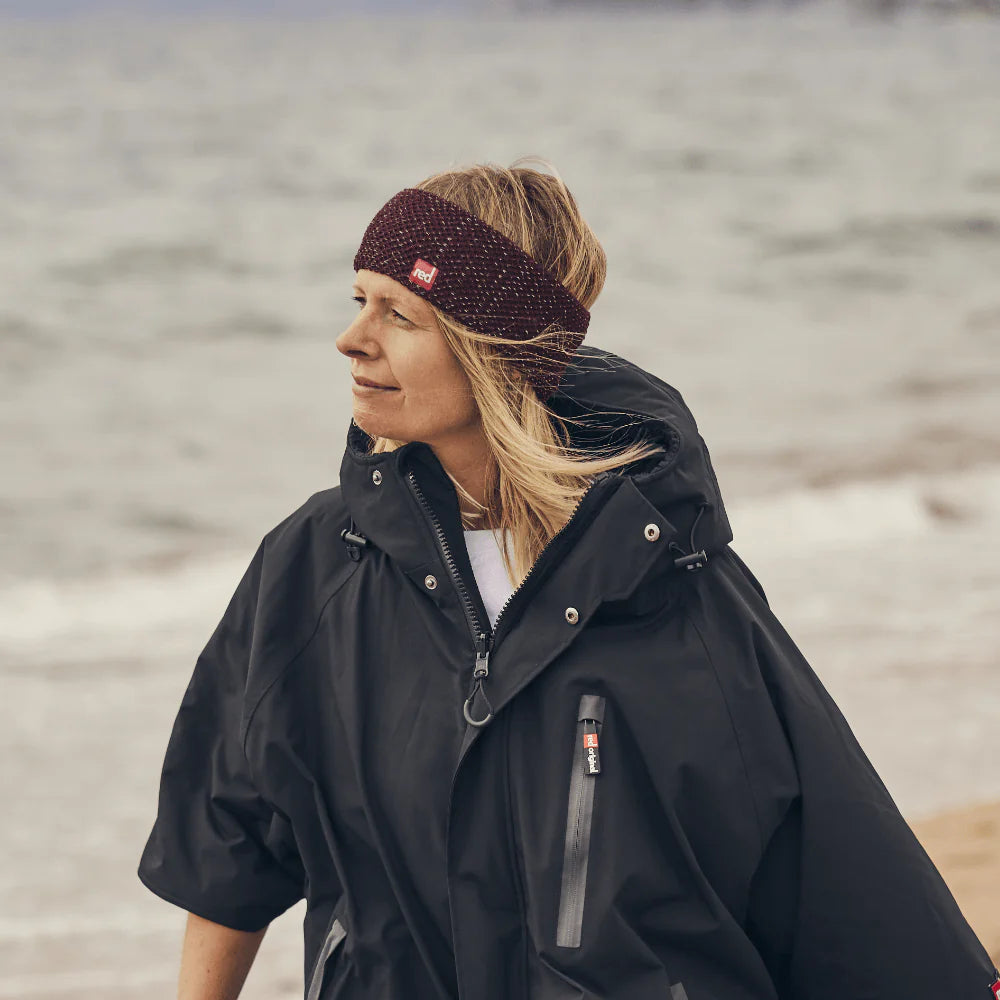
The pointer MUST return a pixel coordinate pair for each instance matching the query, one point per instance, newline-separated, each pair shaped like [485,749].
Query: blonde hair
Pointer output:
[536,478]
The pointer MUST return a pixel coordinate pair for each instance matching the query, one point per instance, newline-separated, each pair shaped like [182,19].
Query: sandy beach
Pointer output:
[964,844]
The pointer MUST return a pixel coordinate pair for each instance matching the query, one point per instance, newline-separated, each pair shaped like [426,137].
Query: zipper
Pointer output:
[482,636]
[334,937]
[579,819]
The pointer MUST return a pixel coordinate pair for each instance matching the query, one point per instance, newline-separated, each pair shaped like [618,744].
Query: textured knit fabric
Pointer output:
[488,568]
[478,276]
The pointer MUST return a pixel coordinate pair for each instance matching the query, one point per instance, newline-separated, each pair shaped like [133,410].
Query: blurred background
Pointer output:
[800,205]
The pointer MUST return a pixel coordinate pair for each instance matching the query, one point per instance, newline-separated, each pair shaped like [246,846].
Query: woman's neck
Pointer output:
[466,459]
[474,521]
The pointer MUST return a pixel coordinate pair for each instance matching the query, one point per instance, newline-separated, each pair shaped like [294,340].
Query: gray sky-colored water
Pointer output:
[49,8]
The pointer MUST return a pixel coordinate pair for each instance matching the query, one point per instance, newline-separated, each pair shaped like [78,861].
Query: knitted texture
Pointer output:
[478,276]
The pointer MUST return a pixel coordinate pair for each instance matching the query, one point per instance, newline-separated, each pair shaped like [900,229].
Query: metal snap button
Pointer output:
[376,476]
[652,532]
[572,616]
[430,582]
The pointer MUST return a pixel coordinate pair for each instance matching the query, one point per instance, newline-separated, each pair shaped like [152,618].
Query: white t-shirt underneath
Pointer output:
[487,565]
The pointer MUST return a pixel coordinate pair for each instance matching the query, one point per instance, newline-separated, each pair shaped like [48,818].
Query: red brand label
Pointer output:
[423,274]
[995,986]
[590,739]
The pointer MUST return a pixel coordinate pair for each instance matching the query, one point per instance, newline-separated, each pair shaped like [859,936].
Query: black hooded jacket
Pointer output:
[664,804]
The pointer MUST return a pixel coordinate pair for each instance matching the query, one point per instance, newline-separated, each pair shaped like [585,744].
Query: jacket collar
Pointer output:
[602,554]
[680,484]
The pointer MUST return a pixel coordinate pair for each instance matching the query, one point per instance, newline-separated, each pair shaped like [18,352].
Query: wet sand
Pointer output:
[965,846]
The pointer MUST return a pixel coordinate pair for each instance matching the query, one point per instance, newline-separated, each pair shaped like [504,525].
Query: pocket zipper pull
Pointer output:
[591,751]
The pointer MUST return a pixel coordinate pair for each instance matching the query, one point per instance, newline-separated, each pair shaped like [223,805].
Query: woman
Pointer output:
[504,706]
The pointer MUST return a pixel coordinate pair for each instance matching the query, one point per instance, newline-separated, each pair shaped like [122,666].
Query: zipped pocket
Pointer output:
[584,776]
[335,935]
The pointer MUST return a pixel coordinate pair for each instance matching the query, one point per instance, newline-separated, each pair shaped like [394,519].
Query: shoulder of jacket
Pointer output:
[304,564]
[322,508]
[304,556]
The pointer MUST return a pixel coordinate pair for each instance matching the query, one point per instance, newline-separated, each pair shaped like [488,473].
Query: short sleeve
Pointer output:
[217,849]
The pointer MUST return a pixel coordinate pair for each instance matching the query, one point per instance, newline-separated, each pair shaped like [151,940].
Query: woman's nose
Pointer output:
[357,338]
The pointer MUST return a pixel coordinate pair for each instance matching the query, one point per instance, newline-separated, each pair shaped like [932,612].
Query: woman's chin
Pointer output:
[376,427]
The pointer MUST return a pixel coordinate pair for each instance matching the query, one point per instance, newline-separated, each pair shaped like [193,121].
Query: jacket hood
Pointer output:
[681,483]
[615,402]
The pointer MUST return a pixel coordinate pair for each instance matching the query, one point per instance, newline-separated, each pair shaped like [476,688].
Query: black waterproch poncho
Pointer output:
[665,804]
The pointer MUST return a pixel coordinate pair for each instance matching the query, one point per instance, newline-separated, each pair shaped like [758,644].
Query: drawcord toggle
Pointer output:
[354,540]
[691,560]
[479,674]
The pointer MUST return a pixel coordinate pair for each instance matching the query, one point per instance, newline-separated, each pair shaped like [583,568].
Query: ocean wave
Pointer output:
[113,616]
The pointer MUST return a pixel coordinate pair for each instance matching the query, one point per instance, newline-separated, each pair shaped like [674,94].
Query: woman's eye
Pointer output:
[361,301]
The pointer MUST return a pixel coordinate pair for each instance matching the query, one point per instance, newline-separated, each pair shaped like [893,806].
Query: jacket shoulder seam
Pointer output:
[352,567]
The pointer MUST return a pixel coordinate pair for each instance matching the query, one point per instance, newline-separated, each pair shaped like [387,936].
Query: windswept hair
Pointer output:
[536,478]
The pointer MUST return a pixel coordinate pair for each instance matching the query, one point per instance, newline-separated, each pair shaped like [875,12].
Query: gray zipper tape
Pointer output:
[579,818]
[334,937]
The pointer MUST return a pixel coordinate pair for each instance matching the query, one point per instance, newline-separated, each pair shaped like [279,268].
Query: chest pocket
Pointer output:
[584,781]
[321,980]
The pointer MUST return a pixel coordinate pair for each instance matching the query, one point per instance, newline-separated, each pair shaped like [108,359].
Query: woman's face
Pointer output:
[394,341]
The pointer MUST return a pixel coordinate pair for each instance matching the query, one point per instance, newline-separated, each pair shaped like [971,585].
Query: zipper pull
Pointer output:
[480,673]
[482,667]
[591,751]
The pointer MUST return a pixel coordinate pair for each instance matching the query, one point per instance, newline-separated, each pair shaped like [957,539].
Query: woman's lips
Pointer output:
[369,389]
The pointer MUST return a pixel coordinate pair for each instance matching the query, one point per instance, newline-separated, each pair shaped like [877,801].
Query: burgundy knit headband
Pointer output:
[475,274]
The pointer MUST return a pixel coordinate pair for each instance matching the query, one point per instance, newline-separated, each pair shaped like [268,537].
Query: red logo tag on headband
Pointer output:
[423,274]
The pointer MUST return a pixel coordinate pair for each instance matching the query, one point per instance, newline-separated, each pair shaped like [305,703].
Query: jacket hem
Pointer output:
[227,918]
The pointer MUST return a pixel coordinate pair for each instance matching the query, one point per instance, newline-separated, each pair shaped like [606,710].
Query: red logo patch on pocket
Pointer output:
[423,274]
